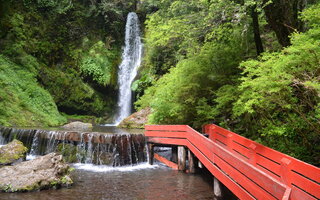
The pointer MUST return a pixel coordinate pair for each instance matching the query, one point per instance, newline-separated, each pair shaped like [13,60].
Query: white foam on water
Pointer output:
[105,168]
[31,157]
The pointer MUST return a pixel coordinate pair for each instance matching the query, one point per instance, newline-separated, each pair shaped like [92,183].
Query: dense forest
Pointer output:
[59,57]
[249,66]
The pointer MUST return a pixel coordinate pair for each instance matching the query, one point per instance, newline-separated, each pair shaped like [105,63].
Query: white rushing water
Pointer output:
[131,60]
[104,168]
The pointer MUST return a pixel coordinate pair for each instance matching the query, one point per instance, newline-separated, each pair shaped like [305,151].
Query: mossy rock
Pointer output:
[12,152]
[49,171]
[136,120]
[68,151]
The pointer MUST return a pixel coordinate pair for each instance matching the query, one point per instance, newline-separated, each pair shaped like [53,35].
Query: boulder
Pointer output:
[80,126]
[136,120]
[12,153]
[44,172]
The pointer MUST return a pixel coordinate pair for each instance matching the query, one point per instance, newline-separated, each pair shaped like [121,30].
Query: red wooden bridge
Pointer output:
[248,169]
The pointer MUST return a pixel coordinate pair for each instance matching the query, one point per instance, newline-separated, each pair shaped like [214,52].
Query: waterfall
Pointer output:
[81,147]
[131,59]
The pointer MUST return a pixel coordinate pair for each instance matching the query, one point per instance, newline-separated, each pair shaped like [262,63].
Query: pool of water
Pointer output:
[125,183]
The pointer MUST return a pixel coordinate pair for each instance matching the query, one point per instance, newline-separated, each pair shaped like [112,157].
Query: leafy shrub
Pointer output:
[22,101]
[277,101]
[99,64]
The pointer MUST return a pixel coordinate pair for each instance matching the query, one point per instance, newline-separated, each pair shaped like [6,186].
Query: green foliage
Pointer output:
[182,96]
[12,152]
[71,57]
[98,64]
[311,16]
[277,101]
[23,102]
[68,151]
[55,6]
[172,33]
[201,63]
[77,97]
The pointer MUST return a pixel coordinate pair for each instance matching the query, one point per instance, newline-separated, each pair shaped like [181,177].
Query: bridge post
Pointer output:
[151,153]
[191,159]
[217,193]
[182,155]
[174,154]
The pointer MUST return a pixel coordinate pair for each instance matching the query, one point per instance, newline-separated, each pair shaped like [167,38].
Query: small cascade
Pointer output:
[34,146]
[131,60]
[81,147]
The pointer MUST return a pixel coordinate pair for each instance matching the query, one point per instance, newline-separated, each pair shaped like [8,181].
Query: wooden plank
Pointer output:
[171,141]
[166,127]
[265,174]
[286,195]
[253,173]
[257,177]
[220,138]
[242,151]
[261,178]
[305,184]
[263,150]
[306,169]
[199,140]
[227,181]
[243,180]
[166,161]
[268,164]
[165,134]
[298,194]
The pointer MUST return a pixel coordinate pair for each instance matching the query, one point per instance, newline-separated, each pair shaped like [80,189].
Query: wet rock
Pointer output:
[12,153]
[136,120]
[68,151]
[78,126]
[44,172]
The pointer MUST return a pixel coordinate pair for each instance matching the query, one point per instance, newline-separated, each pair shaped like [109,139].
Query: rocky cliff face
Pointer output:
[44,172]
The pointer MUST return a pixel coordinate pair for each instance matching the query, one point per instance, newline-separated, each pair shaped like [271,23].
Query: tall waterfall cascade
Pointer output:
[131,60]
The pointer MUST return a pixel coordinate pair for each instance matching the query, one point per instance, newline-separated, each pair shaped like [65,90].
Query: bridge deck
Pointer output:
[249,169]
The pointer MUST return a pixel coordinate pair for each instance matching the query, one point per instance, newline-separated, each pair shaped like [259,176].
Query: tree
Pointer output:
[282,16]
[256,29]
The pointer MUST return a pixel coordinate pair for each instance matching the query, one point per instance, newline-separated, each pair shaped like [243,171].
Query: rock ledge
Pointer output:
[12,153]
[44,172]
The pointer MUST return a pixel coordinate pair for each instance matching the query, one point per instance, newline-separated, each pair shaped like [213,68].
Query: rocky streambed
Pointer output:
[44,172]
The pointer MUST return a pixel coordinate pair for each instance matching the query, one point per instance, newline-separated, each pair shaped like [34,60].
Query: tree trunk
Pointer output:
[282,16]
[256,30]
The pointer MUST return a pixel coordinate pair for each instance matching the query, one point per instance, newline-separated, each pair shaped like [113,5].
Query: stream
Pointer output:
[136,180]
[128,183]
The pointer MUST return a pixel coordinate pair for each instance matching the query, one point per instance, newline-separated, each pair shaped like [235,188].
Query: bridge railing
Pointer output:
[304,179]
[250,170]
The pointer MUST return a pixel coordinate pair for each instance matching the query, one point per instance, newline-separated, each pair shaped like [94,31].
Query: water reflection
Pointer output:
[150,184]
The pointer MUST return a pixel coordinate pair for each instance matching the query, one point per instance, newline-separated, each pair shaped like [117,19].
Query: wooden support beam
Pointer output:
[151,153]
[182,156]
[200,164]
[192,161]
[165,161]
[174,154]
[217,189]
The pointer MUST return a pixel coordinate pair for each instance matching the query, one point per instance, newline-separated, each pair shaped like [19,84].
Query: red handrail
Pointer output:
[249,169]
